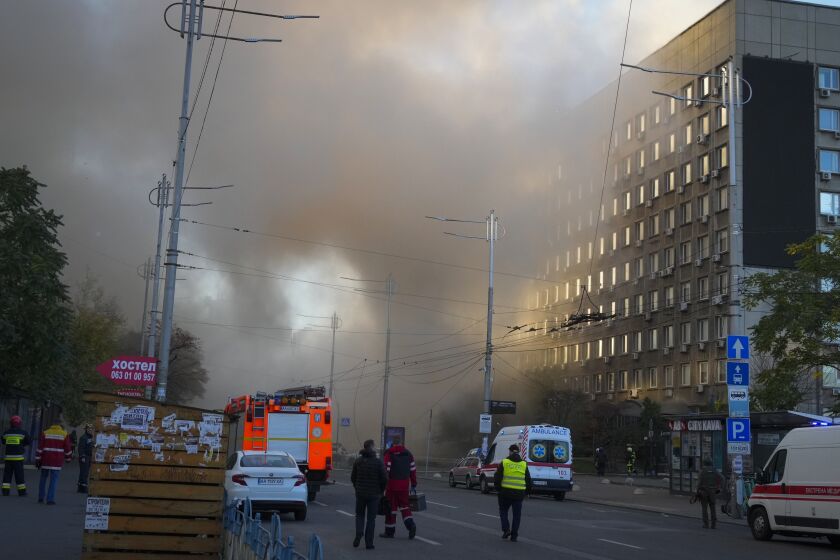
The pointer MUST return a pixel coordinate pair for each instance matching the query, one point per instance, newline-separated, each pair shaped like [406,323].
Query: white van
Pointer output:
[797,493]
[547,450]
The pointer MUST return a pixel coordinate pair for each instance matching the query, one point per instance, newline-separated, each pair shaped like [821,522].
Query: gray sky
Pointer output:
[348,132]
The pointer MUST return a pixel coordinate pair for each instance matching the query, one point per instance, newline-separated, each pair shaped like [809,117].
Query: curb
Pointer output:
[652,509]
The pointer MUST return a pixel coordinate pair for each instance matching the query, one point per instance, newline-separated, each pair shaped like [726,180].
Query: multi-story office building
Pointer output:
[657,247]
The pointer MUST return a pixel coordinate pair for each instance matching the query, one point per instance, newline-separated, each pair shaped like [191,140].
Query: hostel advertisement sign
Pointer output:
[130,370]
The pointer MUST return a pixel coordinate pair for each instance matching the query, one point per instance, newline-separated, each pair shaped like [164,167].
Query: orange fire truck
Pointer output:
[298,421]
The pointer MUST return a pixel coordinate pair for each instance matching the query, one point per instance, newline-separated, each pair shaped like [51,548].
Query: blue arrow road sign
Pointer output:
[737,430]
[738,347]
[738,373]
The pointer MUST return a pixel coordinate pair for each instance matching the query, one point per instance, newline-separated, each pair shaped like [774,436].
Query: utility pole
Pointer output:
[334,325]
[192,23]
[162,202]
[389,291]
[429,442]
[143,338]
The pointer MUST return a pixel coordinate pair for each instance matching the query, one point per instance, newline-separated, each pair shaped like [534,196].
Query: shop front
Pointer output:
[694,440]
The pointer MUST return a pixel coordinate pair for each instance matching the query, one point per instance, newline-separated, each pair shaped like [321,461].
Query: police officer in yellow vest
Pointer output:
[15,440]
[513,482]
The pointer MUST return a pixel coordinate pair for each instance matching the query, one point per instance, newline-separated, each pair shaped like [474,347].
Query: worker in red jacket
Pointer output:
[54,449]
[399,464]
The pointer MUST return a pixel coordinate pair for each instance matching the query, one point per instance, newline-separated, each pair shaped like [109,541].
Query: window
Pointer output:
[611,382]
[829,78]
[703,247]
[721,371]
[641,122]
[722,156]
[654,152]
[669,296]
[703,373]
[703,287]
[685,213]
[652,378]
[670,180]
[668,336]
[627,271]
[722,240]
[703,205]
[629,130]
[623,379]
[668,256]
[639,267]
[829,161]
[640,195]
[721,326]
[776,467]
[670,218]
[268,461]
[640,303]
[702,330]
[672,142]
[705,86]
[829,120]
[704,162]
[704,124]
[688,93]
[640,230]
[628,165]
[685,375]
[599,382]
[687,137]
[653,339]
[685,291]
[627,307]
[686,173]
[654,228]
[614,244]
[612,346]
[640,159]
[723,199]
[672,106]
[722,283]
[654,187]
[637,341]
[669,375]
[829,204]
[628,200]
[627,237]
[721,116]
[653,262]
[685,252]
[657,114]
[653,298]
[613,276]
[637,379]
[685,333]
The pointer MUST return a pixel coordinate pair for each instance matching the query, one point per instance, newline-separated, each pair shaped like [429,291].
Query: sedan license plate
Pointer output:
[270,481]
[540,483]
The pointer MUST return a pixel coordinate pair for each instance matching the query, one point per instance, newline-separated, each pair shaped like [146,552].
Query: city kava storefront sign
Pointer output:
[695,425]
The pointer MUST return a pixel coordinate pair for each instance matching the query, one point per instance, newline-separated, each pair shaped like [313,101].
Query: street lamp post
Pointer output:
[491,235]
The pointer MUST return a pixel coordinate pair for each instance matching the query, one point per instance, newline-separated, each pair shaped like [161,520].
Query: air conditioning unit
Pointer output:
[610,396]
[825,176]
[680,189]
[669,231]
[648,316]
[715,173]
[668,271]
[702,138]
[666,351]
[634,393]
[606,359]
[703,178]
[717,300]
[669,393]
[625,212]
[716,91]
[640,135]
[825,92]
[592,397]
[831,219]
[721,343]
[680,149]
[698,262]
[634,356]
[684,348]
[652,276]
[683,306]
[611,253]
[701,346]
[638,243]
[648,204]
[701,388]
[704,219]
[716,257]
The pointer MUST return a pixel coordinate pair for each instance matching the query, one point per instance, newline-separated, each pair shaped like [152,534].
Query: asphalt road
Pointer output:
[462,522]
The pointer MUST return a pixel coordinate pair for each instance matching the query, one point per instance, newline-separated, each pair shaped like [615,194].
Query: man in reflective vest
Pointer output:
[15,440]
[513,482]
[53,451]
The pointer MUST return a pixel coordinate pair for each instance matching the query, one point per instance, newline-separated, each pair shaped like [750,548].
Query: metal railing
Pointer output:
[245,538]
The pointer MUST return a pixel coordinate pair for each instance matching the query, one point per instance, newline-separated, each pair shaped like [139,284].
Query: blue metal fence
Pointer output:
[247,539]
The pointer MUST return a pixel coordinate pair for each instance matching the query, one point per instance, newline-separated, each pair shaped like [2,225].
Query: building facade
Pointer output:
[655,247]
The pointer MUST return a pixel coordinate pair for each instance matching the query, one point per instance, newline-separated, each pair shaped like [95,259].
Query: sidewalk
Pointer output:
[639,496]
[39,532]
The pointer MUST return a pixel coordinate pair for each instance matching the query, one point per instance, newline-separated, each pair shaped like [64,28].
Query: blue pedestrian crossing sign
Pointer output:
[737,430]
[738,347]
[738,373]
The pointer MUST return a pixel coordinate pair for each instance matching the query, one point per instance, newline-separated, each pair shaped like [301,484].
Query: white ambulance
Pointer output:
[547,450]
[798,490]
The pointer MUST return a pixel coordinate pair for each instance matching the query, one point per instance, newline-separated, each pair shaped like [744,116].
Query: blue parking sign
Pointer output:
[738,373]
[737,430]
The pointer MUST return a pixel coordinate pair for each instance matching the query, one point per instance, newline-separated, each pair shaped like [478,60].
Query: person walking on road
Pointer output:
[54,449]
[513,482]
[15,440]
[369,480]
[399,464]
[708,487]
[630,460]
[85,448]
[601,462]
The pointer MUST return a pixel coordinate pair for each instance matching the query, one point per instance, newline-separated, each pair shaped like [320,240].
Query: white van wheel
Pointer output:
[485,488]
[451,480]
[760,525]
[468,482]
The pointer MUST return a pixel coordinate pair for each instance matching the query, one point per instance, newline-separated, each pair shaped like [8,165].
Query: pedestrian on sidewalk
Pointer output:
[600,461]
[15,439]
[85,447]
[630,460]
[708,487]
[399,464]
[513,482]
[369,480]
[54,449]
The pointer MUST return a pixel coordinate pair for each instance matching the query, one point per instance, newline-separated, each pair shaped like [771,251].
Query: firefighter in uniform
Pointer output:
[85,448]
[54,449]
[399,464]
[513,482]
[15,440]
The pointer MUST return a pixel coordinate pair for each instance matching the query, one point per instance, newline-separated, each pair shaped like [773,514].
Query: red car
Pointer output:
[465,472]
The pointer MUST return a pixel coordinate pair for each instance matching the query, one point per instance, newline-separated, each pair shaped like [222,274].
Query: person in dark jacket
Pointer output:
[15,439]
[708,487]
[513,482]
[369,480]
[601,462]
[399,464]
[85,455]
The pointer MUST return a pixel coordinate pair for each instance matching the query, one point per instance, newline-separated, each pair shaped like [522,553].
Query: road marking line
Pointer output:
[427,540]
[341,483]
[599,510]
[322,504]
[342,512]
[440,504]
[622,544]
[486,515]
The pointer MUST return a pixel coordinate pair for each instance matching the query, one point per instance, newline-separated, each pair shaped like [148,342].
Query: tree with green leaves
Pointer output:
[800,332]
[35,313]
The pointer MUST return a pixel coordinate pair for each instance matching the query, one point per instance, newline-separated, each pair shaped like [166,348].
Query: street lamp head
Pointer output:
[438,218]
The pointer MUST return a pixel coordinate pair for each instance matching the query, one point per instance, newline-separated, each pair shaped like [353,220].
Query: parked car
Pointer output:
[271,480]
[465,472]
